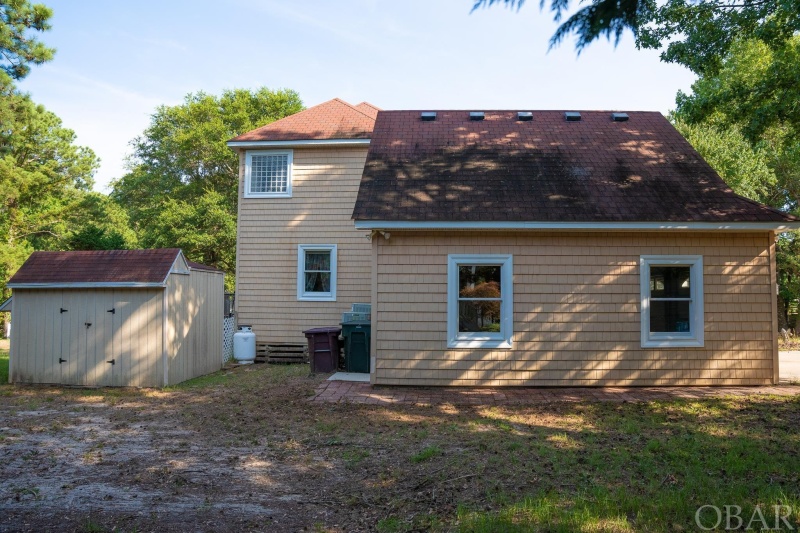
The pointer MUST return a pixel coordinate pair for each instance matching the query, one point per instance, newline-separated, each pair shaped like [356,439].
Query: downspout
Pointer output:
[373,349]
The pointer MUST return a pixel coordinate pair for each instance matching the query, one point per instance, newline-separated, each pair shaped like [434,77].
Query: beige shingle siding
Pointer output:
[576,311]
[324,187]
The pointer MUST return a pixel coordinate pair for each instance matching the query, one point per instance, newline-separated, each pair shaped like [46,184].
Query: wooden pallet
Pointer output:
[281,353]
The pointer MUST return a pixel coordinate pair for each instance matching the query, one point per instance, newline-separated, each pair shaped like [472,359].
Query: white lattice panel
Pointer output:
[227,345]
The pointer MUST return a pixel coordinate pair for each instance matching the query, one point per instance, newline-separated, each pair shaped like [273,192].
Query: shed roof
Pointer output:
[97,268]
[334,119]
[547,169]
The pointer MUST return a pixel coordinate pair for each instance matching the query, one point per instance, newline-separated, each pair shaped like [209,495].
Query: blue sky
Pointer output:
[117,61]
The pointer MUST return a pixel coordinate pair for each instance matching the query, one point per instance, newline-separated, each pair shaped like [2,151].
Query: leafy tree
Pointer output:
[181,188]
[44,179]
[93,238]
[17,48]
[744,168]
[745,120]
[755,93]
[99,223]
[697,33]
[212,240]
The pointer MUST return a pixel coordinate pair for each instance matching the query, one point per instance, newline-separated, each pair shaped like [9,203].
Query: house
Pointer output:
[527,248]
[145,318]
[300,262]
[547,249]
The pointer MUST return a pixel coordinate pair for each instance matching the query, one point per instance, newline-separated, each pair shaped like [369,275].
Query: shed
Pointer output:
[143,318]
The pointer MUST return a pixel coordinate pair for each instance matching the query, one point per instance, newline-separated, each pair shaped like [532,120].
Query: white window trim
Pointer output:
[248,165]
[304,296]
[694,338]
[504,338]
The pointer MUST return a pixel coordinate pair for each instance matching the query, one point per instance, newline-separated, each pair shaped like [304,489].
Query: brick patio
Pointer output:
[350,392]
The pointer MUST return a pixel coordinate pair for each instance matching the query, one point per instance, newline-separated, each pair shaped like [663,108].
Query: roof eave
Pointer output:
[596,226]
[298,143]
[88,285]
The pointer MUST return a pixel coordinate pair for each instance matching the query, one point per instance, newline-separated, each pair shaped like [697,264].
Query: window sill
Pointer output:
[317,298]
[486,344]
[673,343]
[267,195]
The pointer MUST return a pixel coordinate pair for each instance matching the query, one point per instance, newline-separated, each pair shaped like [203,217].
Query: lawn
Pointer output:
[3,366]
[243,450]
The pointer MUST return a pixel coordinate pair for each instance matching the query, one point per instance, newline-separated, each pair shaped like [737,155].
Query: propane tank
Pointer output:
[244,345]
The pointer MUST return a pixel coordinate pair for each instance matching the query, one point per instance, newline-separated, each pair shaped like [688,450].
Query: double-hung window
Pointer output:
[316,272]
[672,300]
[480,304]
[268,174]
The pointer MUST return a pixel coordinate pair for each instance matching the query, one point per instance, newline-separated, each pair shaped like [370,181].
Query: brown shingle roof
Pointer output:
[199,266]
[334,119]
[102,266]
[547,169]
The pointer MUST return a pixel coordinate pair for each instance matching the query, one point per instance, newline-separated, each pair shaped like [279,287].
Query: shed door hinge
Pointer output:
[63,310]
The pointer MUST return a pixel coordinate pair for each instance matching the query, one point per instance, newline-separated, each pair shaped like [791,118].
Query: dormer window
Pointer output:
[268,174]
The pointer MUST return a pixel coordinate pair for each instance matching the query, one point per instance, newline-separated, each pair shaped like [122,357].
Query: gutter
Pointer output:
[299,143]
[593,226]
[88,285]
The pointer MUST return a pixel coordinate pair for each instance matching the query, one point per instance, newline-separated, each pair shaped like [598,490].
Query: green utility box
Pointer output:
[357,336]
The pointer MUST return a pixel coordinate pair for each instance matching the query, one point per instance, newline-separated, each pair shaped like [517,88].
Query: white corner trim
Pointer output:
[302,143]
[302,295]
[696,337]
[597,226]
[503,339]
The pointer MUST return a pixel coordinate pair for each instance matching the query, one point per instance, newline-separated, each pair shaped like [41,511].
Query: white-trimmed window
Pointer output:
[480,303]
[316,272]
[672,300]
[268,174]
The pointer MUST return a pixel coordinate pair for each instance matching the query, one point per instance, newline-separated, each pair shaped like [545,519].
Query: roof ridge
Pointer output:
[354,108]
[373,106]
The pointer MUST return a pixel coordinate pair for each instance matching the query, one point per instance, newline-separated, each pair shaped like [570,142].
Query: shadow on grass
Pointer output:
[560,466]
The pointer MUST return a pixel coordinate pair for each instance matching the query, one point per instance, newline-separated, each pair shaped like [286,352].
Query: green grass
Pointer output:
[428,453]
[599,475]
[554,467]
[3,367]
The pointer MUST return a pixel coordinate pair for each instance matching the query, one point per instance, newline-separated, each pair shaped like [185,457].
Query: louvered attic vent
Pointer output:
[476,115]
[572,116]
[619,117]
[428,116]
[525,116]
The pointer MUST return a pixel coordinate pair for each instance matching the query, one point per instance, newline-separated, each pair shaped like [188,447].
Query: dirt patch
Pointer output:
[245,450]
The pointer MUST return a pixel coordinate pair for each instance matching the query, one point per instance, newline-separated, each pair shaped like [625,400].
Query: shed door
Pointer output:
[73,337]
[100,339]
[87,347]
